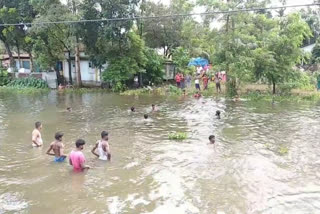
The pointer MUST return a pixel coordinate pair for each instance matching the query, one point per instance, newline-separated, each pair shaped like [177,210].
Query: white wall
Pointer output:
[87,73]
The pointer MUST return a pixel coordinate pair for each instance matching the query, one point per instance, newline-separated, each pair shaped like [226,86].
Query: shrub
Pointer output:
[29,82]
[4,77]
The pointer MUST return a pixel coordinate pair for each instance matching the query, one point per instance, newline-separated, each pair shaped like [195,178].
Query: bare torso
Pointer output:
[57,148]
[36,136]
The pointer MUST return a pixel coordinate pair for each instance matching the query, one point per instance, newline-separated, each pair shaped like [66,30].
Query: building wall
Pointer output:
[88,73]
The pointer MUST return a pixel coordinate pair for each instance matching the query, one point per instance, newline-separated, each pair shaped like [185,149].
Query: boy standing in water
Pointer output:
[153,106]
[57,147]
[103,147]
[76,157]
[36,135]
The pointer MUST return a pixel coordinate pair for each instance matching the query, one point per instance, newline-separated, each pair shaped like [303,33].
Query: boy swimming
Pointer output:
[103,147]
[76,157]
[197,95]
[146,116]
[153,106]
[133,109]
[57,147]
[36,135]
[218,114]
[212,139]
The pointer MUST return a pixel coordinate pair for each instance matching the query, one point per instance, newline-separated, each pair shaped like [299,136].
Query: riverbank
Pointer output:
[251,92]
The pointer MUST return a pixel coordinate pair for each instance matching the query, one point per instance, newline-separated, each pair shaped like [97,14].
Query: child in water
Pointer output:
[57,147]
[76,157]
[197,95]
[133,109]
[218,114]
[103,147]
[212,139]
[153,106]
[146,116]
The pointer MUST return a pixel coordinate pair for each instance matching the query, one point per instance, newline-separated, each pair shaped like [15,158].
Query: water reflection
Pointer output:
[245,173]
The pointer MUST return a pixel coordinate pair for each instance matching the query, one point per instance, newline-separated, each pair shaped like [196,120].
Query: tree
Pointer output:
[165,33]
[275,61]
[126,62]
[49,42]
[316,52]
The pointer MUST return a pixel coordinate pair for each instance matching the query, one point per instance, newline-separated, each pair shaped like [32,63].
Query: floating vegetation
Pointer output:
[178,136]
[283,150]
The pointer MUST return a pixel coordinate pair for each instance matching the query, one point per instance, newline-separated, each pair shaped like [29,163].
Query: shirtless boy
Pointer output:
[103,147]
[36,135]
[57,147]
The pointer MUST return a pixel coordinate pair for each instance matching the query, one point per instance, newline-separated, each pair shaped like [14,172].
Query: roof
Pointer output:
[15,55]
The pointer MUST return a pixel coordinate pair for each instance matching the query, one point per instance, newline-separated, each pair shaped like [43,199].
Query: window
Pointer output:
[26,64]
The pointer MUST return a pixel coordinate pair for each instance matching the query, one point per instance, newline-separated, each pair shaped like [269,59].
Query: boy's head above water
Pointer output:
[80,143]
[58,136]
[146,116]
[38,125]
[212,139]
[104,135]
[133,109]
[218,113]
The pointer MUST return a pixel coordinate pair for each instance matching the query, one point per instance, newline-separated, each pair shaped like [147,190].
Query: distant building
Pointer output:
[90,75]
[24,58]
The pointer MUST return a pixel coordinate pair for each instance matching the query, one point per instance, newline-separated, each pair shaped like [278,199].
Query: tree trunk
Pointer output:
[9,52]
[31,62]
[19,58]
[273,87]
[69,66]
[77,61]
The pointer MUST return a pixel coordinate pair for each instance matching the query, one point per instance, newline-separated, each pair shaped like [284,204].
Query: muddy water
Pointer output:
[266,159]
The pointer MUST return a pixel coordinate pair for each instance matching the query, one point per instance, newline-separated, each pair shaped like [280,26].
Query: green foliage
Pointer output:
[173,90]
[4,77]
[125,63]
[29,82]
[181,58]
[316,52]
[154,71]
[178,136]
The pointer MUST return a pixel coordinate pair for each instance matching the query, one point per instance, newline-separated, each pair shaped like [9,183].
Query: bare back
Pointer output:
[57,148]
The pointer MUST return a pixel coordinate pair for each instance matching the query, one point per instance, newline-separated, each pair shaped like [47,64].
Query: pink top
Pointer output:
[77,158]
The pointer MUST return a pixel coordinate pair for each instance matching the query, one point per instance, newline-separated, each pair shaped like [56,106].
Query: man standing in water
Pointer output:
[103,147]
[76,157]
[36,135]
[57,147]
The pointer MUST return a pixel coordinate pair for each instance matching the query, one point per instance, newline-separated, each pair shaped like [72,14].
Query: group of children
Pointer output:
[76,157]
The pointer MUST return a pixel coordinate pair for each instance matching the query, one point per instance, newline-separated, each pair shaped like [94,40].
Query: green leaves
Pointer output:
[29,82]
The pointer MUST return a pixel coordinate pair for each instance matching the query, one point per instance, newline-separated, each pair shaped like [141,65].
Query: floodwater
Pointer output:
[266,159]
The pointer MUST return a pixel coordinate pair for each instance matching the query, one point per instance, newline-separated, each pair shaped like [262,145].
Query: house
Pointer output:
[309,48]
[90,75]
[25,66]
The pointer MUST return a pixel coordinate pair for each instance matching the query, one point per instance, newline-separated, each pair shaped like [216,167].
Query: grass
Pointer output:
[84,90]
[178,136]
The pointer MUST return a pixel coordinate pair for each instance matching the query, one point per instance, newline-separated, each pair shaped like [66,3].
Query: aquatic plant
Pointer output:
[137,92]
[178,136]
[283,150]
[29,82]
